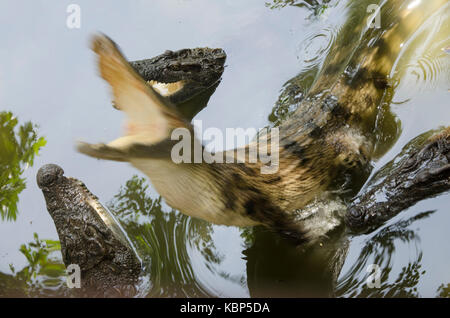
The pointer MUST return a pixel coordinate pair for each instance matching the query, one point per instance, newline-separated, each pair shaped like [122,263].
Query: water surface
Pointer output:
[48,77]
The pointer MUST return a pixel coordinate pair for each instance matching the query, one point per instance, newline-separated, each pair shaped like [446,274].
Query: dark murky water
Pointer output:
[48,78]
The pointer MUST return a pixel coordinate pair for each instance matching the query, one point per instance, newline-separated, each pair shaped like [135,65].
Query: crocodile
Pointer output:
[420,171]
[329,137]
[187,77]
[90,236]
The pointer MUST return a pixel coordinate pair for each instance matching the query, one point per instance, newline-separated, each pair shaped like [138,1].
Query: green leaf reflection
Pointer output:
[18,147]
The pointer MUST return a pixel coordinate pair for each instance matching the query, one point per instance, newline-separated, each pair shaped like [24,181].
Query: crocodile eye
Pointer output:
[48,174]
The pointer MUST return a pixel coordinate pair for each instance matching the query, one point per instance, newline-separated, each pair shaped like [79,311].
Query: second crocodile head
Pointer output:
[91,238]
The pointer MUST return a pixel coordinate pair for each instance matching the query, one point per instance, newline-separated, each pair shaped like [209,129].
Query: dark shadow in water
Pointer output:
[275,268]
[19,145]
[381,250]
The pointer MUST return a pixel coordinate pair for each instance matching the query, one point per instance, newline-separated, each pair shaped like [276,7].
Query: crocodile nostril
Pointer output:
[48,174]
[354,212]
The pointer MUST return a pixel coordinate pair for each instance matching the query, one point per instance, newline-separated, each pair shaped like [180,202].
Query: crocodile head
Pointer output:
[421,170]
[90,236]
[186,78]
[182,74]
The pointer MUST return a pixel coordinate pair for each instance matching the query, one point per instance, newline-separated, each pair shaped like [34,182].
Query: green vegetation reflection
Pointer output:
[381,249]
[18,147]
[317,7]
[43,276]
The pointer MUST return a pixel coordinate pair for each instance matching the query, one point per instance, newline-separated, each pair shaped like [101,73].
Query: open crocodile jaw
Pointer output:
[90,236]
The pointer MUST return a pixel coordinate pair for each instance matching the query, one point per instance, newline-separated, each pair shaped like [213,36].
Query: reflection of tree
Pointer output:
[163,239]
[444,291]
[380,250]
[18,146]
[317,7]
[44,274]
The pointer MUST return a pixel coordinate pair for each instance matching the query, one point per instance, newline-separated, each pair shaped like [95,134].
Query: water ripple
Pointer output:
[316,46]
[428,67]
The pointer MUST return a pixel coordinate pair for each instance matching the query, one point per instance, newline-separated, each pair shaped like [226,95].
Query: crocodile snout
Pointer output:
[48,175]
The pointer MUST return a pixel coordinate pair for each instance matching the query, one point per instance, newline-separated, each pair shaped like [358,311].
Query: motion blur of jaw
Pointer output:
[264,147]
